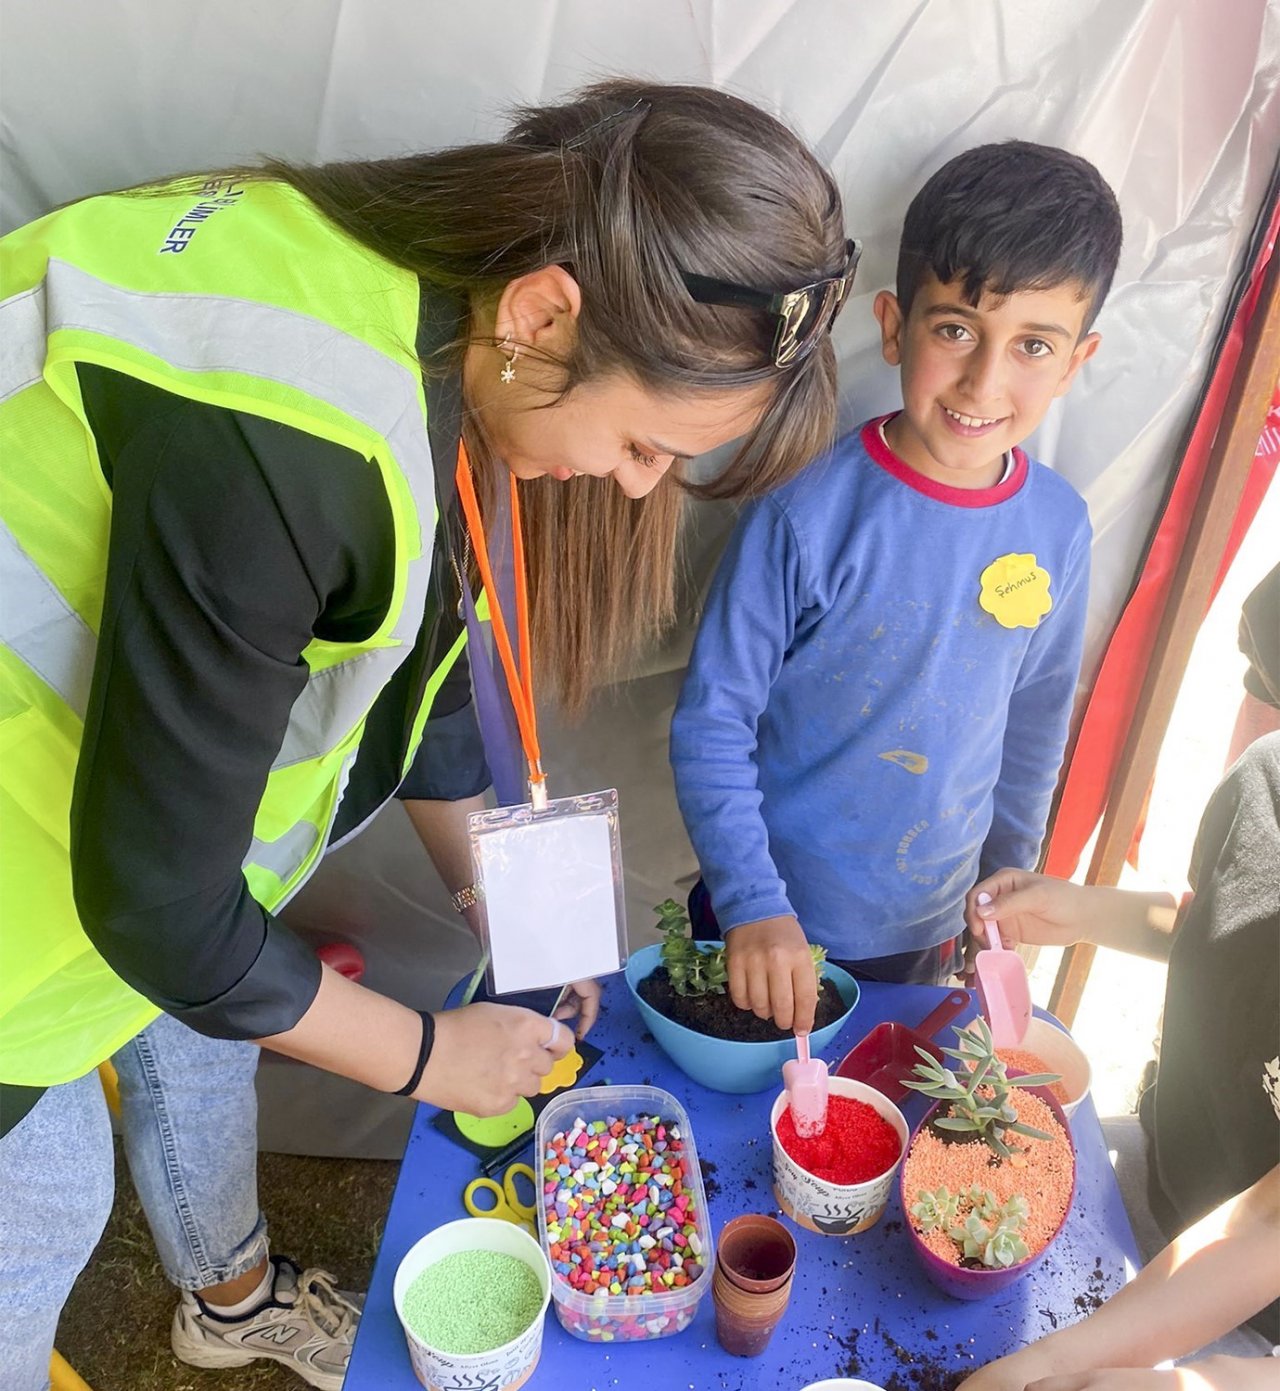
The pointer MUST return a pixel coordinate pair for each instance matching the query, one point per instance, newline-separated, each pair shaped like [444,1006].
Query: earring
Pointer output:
[508,373]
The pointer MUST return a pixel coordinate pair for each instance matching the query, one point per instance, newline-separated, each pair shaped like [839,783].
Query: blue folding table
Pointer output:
[860,1305]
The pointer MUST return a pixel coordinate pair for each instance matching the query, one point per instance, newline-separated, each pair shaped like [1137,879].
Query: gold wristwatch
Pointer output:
[466,897]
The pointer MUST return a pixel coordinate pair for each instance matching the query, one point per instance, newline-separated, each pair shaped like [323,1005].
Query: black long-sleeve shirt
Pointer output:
[233,542]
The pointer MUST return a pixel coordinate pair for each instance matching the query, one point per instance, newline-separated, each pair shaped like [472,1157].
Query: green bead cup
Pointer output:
[503,1368]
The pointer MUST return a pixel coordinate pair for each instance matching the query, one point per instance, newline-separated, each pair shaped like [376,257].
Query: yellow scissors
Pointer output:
[507,1206]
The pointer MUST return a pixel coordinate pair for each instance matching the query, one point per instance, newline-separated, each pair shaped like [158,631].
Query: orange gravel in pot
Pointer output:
[1029,1063]
[1044,1176]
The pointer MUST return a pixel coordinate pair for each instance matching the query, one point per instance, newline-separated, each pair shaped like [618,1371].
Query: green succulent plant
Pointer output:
[983,1228]
[977,1092]
[695,970]
[935,1210]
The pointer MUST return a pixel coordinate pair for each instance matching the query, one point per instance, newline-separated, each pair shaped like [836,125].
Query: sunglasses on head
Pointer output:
[803,315]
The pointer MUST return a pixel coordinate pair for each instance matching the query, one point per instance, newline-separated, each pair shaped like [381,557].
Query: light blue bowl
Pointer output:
[719,1063]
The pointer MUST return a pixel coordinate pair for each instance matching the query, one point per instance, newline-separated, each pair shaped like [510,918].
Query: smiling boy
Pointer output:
[877,703]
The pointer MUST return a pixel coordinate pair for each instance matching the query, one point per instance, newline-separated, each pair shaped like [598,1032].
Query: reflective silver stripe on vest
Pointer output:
[286,856]
[40,627]
[282,857]
[205,333]
[21,341]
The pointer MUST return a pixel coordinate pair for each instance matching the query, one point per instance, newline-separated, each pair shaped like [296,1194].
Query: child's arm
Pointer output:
[1036,728]
[1036,908]
[747,626]
[1216,1274]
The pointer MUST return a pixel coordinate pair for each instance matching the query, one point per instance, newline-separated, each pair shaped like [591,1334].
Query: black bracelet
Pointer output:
[424,1052]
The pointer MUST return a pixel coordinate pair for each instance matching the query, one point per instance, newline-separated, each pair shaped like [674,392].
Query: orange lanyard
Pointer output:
[519,677]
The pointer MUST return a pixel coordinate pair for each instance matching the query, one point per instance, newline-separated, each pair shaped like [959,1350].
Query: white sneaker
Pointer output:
[304,1323]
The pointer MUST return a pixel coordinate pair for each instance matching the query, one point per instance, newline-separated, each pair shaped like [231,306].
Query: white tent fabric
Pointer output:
[1176,101]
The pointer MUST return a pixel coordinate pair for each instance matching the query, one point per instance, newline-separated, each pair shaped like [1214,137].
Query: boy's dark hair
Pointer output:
[1009,217]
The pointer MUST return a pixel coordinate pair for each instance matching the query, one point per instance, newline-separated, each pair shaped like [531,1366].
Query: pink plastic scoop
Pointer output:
[806,1083]
[1003,988]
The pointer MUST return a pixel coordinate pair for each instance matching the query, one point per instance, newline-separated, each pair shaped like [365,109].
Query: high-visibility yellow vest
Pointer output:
[239,294]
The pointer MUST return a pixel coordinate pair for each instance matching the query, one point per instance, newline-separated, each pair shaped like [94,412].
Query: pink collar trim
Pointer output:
[940,492]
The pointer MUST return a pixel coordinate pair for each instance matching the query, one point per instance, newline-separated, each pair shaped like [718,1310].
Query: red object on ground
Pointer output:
[344,957]
[858,1143]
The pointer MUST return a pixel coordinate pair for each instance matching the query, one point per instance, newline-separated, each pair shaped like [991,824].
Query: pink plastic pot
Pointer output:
[962,1282]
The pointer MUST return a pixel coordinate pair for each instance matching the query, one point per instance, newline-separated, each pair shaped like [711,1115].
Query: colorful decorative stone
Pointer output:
[621,1221]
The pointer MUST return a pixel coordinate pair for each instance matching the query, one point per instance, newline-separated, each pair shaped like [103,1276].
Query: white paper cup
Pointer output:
[842,1384]
[833,1209]
[503,1368]
[1060,1053]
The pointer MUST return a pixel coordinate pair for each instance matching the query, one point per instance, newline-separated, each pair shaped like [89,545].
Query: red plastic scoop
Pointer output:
[888,1053]
[1003,988]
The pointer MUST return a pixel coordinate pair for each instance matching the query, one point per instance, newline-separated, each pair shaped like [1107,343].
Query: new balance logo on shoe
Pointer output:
[276,1333]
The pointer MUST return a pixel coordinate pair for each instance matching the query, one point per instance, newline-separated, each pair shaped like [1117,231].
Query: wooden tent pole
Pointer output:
[1230,459]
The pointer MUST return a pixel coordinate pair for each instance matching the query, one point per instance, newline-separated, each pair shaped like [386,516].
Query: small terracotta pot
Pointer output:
[756,1253]
[745,1320]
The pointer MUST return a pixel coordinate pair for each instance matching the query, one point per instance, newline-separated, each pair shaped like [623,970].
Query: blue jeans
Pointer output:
[189,1121]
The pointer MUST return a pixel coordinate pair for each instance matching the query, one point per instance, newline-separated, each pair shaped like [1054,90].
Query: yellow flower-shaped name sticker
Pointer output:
[1015,591]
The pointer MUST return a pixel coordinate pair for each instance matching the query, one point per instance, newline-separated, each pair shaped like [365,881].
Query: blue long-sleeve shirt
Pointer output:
[857,739]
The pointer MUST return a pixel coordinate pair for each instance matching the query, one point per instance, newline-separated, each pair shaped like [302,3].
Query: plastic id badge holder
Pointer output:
[550,899]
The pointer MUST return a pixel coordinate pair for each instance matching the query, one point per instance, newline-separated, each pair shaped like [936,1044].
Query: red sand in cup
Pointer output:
[858,1144]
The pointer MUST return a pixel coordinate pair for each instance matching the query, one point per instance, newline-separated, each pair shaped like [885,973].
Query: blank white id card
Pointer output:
[550,890]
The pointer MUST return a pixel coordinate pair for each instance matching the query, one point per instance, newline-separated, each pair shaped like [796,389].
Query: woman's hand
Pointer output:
[771,972]
[485,1057]
[581,1001]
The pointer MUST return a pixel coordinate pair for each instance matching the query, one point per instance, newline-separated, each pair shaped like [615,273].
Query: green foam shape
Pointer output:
[495,1131]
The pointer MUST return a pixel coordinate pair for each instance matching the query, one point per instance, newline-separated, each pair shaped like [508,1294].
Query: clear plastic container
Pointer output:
[603,1317]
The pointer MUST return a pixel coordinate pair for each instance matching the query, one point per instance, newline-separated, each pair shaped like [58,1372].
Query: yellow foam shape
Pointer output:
[564,1072]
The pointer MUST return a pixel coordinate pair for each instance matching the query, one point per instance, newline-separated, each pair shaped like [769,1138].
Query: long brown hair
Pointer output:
[626,185]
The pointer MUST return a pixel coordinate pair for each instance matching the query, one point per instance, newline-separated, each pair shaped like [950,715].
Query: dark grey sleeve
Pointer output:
[233,541]
[450,762]
[1260,639]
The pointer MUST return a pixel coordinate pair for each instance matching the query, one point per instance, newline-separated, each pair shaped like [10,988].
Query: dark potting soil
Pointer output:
[719,1017]
[928,1378]
[915,1371]
[919,1372]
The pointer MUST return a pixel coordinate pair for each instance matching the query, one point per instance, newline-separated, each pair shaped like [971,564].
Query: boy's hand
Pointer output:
[486,1056]
[771,972]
